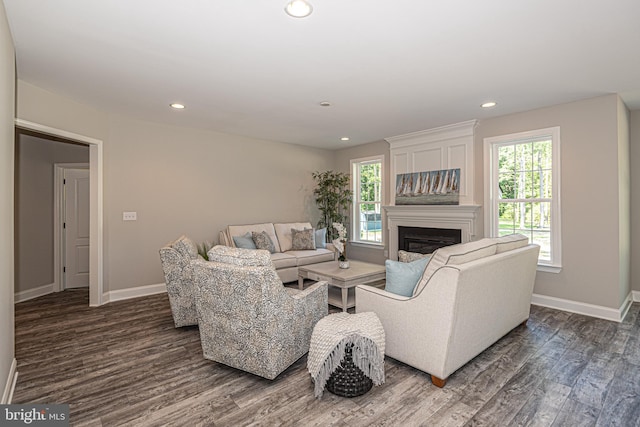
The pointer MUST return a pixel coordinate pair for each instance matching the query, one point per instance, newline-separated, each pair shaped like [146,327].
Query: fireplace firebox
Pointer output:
[425,240]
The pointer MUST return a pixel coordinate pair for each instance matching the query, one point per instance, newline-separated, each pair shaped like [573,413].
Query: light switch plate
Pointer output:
[129,216]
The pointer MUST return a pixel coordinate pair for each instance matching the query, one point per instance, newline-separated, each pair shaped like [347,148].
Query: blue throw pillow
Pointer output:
[245,241]
[402,277]
[321,238]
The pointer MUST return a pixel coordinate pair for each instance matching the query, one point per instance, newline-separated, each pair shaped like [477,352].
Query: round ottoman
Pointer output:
[348,380]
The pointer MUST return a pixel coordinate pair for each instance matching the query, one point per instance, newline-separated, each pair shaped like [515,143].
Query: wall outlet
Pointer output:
[129,216]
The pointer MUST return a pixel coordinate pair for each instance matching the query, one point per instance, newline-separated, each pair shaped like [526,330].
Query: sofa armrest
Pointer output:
[224,238]
[361,289]
[417,328]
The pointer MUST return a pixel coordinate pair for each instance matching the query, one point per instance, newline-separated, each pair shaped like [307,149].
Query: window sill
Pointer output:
[549,268]
[378,246]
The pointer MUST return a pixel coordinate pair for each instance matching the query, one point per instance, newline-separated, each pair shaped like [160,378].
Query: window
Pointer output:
[523,190]
[367,199]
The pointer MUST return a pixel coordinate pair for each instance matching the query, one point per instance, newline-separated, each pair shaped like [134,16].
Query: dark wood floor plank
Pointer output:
[124,364]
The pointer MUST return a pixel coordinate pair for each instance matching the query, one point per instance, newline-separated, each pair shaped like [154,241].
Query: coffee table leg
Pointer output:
[345,296]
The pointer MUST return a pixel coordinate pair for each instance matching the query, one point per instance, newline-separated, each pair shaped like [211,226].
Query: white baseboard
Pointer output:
[636,296]
[34,293]
[140,291]
[601,312]
[10,385]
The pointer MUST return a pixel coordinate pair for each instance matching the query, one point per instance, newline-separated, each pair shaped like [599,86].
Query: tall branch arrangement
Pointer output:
[333,198]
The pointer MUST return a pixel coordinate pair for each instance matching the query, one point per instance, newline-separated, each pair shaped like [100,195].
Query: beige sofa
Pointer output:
[284,258]
[469,296]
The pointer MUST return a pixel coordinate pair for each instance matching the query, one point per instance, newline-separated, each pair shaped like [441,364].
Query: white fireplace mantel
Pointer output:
[460,217]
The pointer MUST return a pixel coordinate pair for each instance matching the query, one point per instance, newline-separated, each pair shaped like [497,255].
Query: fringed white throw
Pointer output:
[329,338]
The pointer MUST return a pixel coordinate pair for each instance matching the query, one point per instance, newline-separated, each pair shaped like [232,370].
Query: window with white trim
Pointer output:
[522,190]
[368,190]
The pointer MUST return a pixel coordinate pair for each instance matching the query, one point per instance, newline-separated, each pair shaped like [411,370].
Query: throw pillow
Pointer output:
[245,241]
[402,277]
[263,241]
[321,238]
[404,256]
[303,239]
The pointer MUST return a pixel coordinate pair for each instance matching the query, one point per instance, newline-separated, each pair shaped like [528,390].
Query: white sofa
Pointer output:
[470,295]
[284,258]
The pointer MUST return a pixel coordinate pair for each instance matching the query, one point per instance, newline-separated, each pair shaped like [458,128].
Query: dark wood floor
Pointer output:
[125,364]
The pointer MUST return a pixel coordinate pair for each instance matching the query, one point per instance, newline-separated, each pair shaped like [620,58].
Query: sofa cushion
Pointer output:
[303,239]
[239,230]
[283,233]
[263,241]
[245,241]
[402,277]
[283,260]
[510,242]
[312,257]
[455,255]
[239,256]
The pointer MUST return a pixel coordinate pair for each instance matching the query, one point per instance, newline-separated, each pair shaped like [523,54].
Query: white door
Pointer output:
[76,228]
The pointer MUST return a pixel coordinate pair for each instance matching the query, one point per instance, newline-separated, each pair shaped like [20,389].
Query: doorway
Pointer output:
[96,262]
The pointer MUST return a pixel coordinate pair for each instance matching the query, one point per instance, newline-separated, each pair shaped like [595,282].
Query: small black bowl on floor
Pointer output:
[348,380]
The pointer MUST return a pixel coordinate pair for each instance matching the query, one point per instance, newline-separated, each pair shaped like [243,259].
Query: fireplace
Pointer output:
[425,240]
[458,219]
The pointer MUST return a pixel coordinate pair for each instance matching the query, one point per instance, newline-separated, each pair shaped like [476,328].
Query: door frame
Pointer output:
[58,220]
[96,222]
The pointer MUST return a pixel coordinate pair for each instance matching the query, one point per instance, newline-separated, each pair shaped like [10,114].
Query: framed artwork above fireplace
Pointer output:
[441,187]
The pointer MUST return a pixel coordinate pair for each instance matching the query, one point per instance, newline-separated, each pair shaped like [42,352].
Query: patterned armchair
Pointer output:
[176,259]
[248,319]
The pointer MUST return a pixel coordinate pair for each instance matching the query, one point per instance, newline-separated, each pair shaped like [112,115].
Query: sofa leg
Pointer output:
[437,381]
[525,322]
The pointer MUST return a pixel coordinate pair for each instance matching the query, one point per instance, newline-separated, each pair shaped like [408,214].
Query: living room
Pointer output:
[184,180]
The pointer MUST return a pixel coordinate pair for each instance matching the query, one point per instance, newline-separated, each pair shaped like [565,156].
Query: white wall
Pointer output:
[179,181]
[594,248]
[7,86]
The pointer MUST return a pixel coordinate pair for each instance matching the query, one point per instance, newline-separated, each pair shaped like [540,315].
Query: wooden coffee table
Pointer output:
[342,281]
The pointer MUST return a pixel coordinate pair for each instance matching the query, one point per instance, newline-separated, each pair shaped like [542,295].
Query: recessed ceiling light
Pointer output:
[298,8]
[177,106]
[325,104]
[489,104]
[344,138]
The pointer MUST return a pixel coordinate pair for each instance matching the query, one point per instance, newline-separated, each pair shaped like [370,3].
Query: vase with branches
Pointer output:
[333,197]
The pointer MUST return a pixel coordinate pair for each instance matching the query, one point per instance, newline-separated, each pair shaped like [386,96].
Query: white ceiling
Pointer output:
[388,67]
